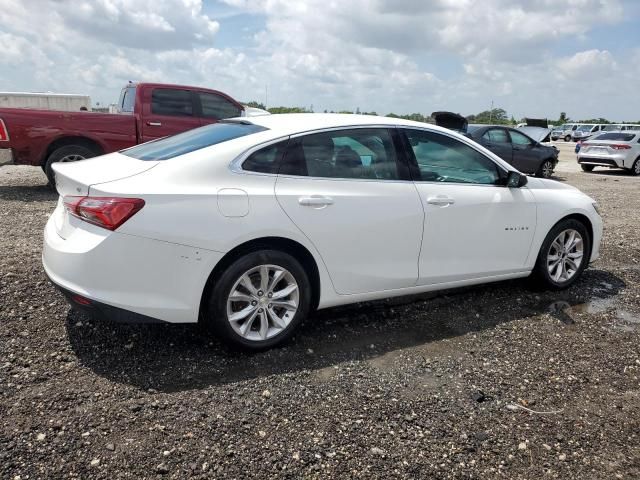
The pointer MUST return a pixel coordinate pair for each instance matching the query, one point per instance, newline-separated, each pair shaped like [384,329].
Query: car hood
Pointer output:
[539,134]
[545,183]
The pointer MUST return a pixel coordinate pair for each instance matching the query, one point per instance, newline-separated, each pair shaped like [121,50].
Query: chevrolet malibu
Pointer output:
[248,225]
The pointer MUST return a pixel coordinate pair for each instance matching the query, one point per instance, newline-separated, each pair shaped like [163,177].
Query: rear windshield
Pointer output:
[190,141]
[617,136]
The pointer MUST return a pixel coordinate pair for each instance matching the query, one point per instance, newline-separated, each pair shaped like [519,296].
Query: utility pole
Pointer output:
[266,96]
[491,112]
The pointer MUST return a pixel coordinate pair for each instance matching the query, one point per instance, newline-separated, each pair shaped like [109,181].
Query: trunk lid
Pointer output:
[75,178]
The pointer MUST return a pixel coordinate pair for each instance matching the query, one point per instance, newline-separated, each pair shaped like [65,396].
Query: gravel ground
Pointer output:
[434,386]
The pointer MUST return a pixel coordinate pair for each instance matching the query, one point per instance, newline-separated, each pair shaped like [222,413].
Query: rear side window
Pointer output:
[265,160]
[170,101]
[128,99]
[366,153]
[217,107]
[617,136]
[497,135]
[190,141]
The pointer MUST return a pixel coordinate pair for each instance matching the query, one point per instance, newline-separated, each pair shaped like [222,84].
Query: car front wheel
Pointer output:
[545,170]
[259,300]
[587,168]
[563,256]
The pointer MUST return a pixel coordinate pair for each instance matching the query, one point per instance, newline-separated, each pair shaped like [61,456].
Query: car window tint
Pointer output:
[215,106]
[265,160]
[496,135]
[128,99]
[170,101]
[519,139]
[366,153]
[190,141]
[441,158]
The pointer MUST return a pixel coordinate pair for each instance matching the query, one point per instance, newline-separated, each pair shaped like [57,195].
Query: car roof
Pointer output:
[292,123]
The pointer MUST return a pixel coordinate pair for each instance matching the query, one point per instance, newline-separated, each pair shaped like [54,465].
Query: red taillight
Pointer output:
[80,300]
[105,212]
[621,147]
[4,133]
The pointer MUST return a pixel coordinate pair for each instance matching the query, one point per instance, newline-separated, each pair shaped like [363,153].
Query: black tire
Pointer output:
[540,274]
[635,168]
[64,152]
[587,168]
[567,138]
[216,318]
[545,170]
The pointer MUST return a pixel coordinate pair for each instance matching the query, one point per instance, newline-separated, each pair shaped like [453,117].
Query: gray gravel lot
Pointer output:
[424,387]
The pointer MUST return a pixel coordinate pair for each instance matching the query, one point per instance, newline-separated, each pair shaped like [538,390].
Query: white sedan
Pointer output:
[249,224]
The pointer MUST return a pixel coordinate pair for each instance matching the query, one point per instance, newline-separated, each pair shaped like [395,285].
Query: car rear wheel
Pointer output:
[563,256]
[635,168]
[68,153]
[259,300]
[545,170]
[567,138]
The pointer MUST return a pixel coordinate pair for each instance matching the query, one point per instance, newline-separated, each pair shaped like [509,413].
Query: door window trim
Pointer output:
[413,162]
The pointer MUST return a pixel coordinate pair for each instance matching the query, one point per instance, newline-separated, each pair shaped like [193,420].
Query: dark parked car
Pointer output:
[520,150]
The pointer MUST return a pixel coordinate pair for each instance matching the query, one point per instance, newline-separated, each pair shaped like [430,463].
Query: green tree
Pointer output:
[288,110]
[255,104]
[496,116]
[563,118]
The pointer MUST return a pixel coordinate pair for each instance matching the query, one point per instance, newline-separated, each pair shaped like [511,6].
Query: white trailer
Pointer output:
[45,101]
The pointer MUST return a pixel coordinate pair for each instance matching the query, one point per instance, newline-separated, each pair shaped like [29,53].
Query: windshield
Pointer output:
[585,128]
[127,99]
[616,136]
[190,141]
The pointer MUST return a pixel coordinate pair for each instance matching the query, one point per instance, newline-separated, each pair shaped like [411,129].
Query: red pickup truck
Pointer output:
[146,111]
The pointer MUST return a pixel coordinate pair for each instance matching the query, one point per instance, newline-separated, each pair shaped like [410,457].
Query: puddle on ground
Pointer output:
[624,320]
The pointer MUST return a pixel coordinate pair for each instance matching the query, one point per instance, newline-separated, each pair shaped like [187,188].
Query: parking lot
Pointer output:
[495,381]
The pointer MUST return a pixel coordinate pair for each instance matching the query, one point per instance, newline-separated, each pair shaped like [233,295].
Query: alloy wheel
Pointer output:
[547,169]
[262,302]
[71,158]
[565,255]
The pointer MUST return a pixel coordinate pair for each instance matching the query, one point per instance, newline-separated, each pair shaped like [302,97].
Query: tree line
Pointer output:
[497,116]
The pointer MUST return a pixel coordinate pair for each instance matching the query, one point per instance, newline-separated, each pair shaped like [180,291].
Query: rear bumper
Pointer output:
[6,156]
[126,277]
[601,161]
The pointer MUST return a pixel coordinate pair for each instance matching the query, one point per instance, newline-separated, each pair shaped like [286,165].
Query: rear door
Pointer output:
[498,141]
[526,157]
[347,191]
[168,111]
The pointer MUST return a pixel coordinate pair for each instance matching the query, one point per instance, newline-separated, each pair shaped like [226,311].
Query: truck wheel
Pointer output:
[68,153]
[567,138]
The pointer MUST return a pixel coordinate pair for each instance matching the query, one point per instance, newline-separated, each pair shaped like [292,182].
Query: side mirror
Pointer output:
[516,179]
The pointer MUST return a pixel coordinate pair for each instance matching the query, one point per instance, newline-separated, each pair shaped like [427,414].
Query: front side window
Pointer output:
[520,139]
[441,158]
[496,135]
[217,107]
[171,101]
[366,153]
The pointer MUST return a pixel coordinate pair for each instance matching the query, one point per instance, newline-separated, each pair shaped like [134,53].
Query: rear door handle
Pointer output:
[154,124]
[315,201]
[440,201]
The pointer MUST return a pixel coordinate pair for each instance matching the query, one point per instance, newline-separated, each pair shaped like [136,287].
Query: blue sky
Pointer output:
[532,57]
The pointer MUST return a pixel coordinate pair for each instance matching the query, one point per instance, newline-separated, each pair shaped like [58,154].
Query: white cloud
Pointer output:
[372,54]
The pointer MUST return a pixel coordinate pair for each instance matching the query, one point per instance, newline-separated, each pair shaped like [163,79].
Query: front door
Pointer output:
[346,191]
[526,157]
[474,226]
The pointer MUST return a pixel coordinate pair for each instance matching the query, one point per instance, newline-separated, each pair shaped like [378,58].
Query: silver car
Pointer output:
[613,150]
[585,131]
[563,131]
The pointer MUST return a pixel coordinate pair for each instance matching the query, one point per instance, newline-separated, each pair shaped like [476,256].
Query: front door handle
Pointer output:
[315,201]
[440,201]
[154,124]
